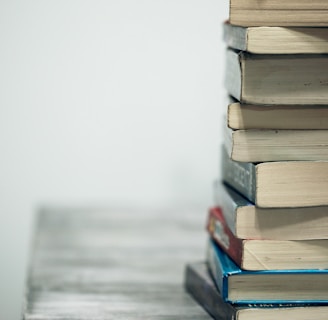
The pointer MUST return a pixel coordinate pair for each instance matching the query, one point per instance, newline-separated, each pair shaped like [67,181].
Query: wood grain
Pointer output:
[104,264]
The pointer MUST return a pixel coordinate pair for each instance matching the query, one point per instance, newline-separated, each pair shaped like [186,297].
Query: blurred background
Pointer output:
[104,102]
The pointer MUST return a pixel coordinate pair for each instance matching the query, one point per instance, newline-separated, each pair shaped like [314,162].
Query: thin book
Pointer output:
[279,13]
[242,287]
[243,116]
[262,145]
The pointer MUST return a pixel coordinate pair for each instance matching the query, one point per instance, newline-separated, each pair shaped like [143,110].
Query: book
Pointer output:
[279,13]
[247,221]
[254,254]
[244,287]
[278,184]
[200,285]
[260,145]
[276,40]
[277,79]
[305,117]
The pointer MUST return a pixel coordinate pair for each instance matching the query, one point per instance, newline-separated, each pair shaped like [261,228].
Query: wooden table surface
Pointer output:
[102,264]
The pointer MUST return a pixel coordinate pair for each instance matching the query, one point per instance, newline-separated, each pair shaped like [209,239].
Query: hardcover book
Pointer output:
[242,287]
[277,79]
[200,285]
[276,40]
[279,13]
[260,145]
[278,184]
[254,254]
[247,221]
[250,116]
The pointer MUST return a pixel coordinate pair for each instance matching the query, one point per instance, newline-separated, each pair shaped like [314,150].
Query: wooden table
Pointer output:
[102,264]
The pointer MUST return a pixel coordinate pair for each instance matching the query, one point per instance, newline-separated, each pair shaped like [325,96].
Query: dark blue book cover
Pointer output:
[237,286]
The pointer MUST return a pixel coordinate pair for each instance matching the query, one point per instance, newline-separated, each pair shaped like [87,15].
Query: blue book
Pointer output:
[237,286]
[200,285]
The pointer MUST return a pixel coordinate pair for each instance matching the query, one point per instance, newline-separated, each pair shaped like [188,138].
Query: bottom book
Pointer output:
[200,285]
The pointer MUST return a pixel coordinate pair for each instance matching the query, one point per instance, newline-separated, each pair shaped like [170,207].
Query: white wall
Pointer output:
[104,102]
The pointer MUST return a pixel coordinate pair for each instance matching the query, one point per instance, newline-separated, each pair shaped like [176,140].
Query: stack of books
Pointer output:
[267,255]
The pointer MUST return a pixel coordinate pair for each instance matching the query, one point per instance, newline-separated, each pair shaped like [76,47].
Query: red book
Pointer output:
[255,254]
[222,235]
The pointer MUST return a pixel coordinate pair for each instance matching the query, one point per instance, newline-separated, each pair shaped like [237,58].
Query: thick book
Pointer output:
[299,117]
[255,254]
[199,283]
[276,40]
[243,287]
[279,13]
[277,79]
[278,184]
[247,221]
[260,145]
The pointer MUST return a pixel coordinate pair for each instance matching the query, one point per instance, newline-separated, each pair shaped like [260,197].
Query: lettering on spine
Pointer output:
[240,175]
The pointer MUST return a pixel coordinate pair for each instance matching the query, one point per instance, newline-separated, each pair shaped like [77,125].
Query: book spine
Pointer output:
[233,74]
[222,235]
[223,199]
[235,37]
[200,285]
[239,175]
[215,269]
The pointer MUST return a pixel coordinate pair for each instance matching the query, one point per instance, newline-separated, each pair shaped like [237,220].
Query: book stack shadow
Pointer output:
[267,254]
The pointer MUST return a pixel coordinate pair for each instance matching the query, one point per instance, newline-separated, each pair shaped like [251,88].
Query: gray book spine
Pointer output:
[200,285]
[239,175]
[233,74]
[235,36]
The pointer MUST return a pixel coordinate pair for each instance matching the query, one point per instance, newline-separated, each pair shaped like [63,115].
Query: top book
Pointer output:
[279,13]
